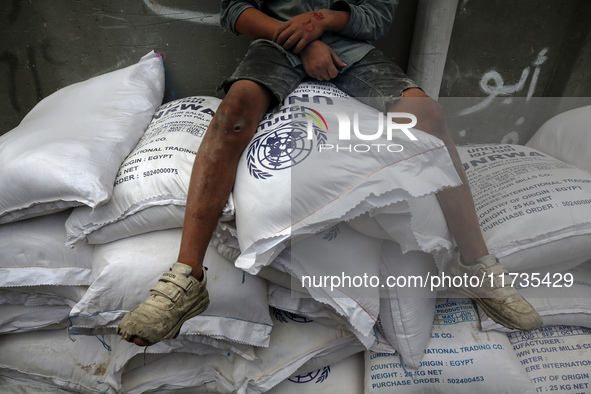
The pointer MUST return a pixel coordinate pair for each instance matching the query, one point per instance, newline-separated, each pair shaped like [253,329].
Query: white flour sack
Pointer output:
[29,308]
[407,304]
[67,150]
[126,269]
[297,345]
[416,225]
[33,254]
[567,137]
[339,267]
[170,365]
[322,158]
[534,210]
[42,295]
[52,361]
[150,190]
[561,298]
[176,373]
[40,279]
[285,299]
[21,318]
[346,376]
[459,359]
[555,358]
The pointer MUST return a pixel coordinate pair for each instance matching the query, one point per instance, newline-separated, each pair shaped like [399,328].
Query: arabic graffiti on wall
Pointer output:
[493,84]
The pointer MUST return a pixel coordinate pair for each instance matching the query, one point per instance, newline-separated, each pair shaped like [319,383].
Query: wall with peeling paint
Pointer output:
[505,57]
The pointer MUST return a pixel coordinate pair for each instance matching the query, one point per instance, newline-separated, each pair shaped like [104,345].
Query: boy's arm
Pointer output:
[256,24]
[302,29]
[369,20]
[318,59]
[245,17]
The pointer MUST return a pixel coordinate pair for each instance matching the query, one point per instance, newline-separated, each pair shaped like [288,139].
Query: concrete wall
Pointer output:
[49,44]
[507,63]
[504,56]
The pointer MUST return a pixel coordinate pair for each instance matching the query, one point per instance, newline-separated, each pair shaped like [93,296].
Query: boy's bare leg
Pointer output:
[456,202]
[214,170]
[497,298]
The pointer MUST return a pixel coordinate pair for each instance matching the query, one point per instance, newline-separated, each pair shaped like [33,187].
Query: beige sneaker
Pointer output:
[499,300]
[174,299]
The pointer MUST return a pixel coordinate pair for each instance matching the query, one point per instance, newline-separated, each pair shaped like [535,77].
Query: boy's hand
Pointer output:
[296,33]
[320,61]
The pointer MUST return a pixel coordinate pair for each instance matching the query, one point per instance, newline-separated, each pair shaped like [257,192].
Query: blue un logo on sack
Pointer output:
[318,376]
[285,146]
[285,317]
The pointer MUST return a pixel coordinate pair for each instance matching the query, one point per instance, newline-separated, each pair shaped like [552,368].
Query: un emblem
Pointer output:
[319,375]
[285,316]
[284,147]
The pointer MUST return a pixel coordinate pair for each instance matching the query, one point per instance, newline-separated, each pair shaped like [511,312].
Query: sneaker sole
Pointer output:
[497,318]
[174,332]
[493,315]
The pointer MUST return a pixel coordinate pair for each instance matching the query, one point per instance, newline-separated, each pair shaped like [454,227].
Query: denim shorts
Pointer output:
[374,79]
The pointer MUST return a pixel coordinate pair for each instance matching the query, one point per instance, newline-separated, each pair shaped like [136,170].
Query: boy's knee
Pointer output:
[422,105]
[234,120]
[430,114]
[238,117]
[242,108]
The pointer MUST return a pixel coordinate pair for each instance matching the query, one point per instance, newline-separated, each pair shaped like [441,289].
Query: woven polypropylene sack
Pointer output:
[151,187]
[459,358]
[407,303]
[54,361]
[67,150]
[36,268]
[125,270]
[335,267]
[567,137]
[289,183]
[533,209]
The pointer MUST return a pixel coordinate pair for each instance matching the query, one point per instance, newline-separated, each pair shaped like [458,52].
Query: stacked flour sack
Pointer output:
[548,195]
[137,237]
[532,203]
[98,175]
[326,206]
[282,222]
[311,191]
[65,153]
[108,145]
